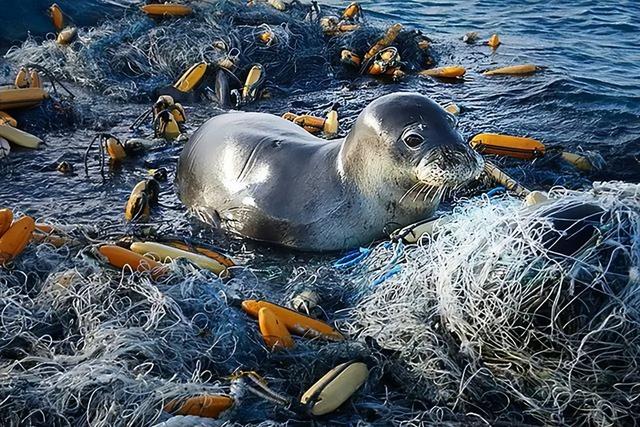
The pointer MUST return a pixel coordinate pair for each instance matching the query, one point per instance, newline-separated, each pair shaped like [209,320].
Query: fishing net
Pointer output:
[480,322]
[484,318]
[129,57]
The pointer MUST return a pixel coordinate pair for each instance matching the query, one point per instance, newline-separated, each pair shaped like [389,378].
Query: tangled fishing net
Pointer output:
[482,322]
[84,344]
[483,318]
[129,57]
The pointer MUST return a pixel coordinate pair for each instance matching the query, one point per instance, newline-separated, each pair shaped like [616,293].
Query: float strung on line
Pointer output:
[451,72]
[514,70]
[67,36]
[222,259]
[121,257]
[208,405]
[19,137]
[21,98]
[6,218]
[192,77]
[335,388]
[16,238]
[164,252]
[295,322]
[166,10]
[507,145]
[274,332]
[6,119]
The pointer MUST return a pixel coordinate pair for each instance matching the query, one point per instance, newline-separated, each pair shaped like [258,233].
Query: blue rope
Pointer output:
[495,191]
[392,272]
[352,258]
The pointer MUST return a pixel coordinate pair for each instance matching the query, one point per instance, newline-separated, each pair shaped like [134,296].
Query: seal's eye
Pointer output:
[413,139]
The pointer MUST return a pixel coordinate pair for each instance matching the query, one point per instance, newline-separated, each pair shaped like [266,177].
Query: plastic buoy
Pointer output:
[191,78]
[137,206]
[34,79]
[274,332]
[208,405]
[67,36]
[451,72]
[331,124]
[57,18]
[121,257]
[453,109]
[295,322]
[115,149]
[19,137]
[163,252]
[581,162]
[389,37]
[6,119]
[494,41]
[335,388]
[165,126]
[22,79]
[16,238]
[222,259]
[513,70]
[252,78]
[352,11]
[166,10]
[507,145]
[21,98]
[6,218]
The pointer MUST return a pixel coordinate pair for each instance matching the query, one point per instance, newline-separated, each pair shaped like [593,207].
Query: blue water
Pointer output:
[590,95]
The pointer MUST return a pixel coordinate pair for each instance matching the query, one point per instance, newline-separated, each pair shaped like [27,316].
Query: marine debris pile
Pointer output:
[499,312]
[511,316]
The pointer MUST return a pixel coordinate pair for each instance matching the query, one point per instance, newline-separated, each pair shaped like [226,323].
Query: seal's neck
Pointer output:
[362,164]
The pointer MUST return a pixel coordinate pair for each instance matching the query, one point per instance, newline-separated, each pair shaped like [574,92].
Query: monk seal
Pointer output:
[266,178]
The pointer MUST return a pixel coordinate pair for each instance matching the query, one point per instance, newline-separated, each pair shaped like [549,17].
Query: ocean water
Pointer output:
[587,99]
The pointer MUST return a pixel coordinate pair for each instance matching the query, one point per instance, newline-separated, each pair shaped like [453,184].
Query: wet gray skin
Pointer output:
[268,179]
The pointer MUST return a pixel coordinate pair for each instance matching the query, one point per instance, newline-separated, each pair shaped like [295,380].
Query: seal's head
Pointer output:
[409,143]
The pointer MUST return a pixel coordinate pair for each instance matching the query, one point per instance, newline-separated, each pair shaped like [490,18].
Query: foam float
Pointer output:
[121,257]
[6,218]
[295,322]
[208,405]
[335,388]
[227,262]
[451,72]
[166,10]
[19,137]
[21,98]
[507,145]
[513,70]
[274,333]
[164,252]
[16,238]
[191,78]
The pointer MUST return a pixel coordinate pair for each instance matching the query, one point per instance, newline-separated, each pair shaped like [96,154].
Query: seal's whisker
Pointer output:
[424,187]
[409,191]
[435,191]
